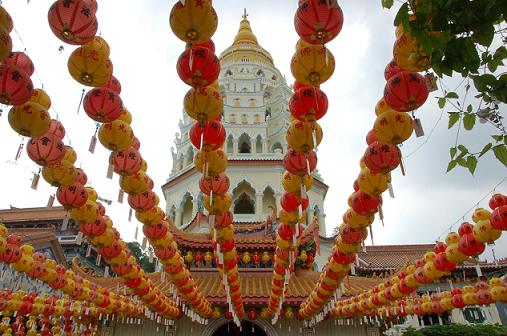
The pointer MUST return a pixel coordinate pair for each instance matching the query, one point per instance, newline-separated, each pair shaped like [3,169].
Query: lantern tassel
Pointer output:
[314,139]
[81,101]
[308,166]
[137,232]
[130,215]
[418,129]
[371,235]
[35,180]
[65,222]
[402,166]
[391,190]
[20,149]
[110,170]
[51,201]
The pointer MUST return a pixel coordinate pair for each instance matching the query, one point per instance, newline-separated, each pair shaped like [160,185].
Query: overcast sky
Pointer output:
[144,53]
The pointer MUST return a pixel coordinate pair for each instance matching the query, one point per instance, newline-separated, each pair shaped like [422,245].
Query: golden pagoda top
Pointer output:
[246,46]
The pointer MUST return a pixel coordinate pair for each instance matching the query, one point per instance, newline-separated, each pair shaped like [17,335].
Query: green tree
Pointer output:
[142,257]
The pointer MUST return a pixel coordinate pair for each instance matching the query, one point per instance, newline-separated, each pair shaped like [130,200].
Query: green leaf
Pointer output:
[470,108]
[452,151]
[469,121]
[452,95]
[387,3]
[497,138]
[402,15]
[486,149]
[451,165]
[453,119]
[484,34]
[471,164]
[501,153]
[441,102]
[462,162]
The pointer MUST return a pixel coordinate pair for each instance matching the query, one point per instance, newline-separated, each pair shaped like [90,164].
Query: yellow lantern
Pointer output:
[211,163]
[291,218]
[144,167]
[452,252]
[150,217]
[289,314]
[40,97]
[116,135]
[469,295]
[347,248]
[203,104]
[246,258]
[216,313]
[382,107]
[302,135]
[208,257]
[89,66]
[226,233]
[408,55]
[292,183]
[303,256]
[87,213]
[70,155]
[357,221]
[312,64]
[125,116]
[218,204]
[265,257]
[29,119]
[5,44]
[484,232]
[393,127]
[189,257]
[480,214]
[135,184]
[6,20]
[98,45]
[59,174]
[105,239]
[92,194]
[193,21]
[372,183]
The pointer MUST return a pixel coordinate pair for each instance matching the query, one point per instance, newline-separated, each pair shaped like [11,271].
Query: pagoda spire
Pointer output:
[245,33]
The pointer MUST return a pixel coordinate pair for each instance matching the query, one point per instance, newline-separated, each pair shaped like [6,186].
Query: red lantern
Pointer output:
[73,22]
[470,246]
[135,143]
[207,136]
[224,219]
[157,231]
[363,203]
[198,67]
[21,61]
[342,258]
[497,200]
[103,105]
[308,104]
[111,251]
[318,22]
[290,202]
[457,301]
[381,157]
[499,218]
[465,228]
[391,69]
[46,149]
[142,202]
[126,162]
[352,236]
[56,128]
[114,85]
[15,85]
[285,232]
[371,137]
[81,176]
[208,44]
[12,254]
[442,264]
[218,184]
[439,247]
[228,315]
[298,85]
[406,91]
[299,163]
[73,196]
[95,228]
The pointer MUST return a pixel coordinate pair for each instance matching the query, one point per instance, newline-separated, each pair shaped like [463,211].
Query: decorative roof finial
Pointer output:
[245,14]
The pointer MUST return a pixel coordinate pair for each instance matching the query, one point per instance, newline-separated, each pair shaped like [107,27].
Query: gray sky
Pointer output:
[144,53]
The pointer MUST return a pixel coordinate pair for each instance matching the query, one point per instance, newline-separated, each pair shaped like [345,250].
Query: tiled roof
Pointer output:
[31,214]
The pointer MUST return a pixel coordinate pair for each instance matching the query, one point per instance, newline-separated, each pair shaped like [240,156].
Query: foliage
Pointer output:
[142,257]
[459,330]
[466,37]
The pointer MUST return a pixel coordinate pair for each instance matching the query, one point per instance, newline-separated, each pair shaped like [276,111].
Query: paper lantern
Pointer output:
[312,64]
[308,104]
[92,194]
[382,157]
[126,162]
[290,202]
[72,196]
[15,85]
[350,235]
[363,203]
[485,233]
[299,163]
[6,20]
[46,149]
[5,44]
[157,231]
[499,218]
[382,107]
[102,104]
[470,246]
[408,55]
[210,163]
[218,204]
[293,183]
[143,201]
[95,227]
[480,214]
[209,135]
[135,184]
[203,104]
[98,46]
[90,67]
[391,69]
[20,60]
[198,67]
[58,174]
[393,127]
[303,136]
[406,91]
[81,176]
[116,135]
[86,213]
[193,21]
[70,155]
[318,22]
[224,219]
[151,216]
[372,183]
[56,128]
[356,220]
[218,184]
[497,200]
[113,84]
[72,22]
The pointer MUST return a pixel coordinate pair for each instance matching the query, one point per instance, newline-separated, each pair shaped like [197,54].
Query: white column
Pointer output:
[309,217]
[235,147]
[264,146]
[258,207]
[278,196]
[178,217]
[194,206]
[322,224]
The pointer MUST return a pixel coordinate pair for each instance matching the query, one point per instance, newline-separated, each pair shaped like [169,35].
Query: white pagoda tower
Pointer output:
[255,116]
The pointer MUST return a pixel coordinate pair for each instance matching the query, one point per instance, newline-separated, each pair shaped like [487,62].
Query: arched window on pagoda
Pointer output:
[244,205]
[258,144]
[277,148]
[230,145]
[245,147]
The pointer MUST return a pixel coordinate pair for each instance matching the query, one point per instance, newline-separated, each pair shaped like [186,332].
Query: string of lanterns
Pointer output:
[404,92]
[199,67]
[104,105]
[469,242]
[24,259]
[29,117]
[316,22]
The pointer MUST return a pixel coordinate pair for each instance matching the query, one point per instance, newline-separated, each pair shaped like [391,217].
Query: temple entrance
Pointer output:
[247,329]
